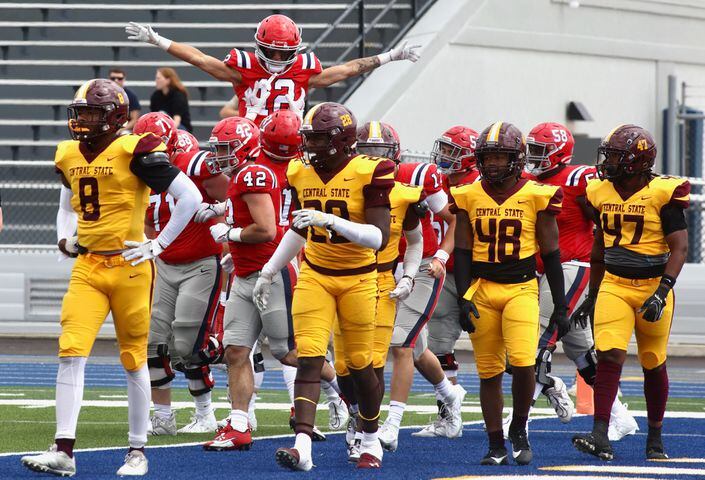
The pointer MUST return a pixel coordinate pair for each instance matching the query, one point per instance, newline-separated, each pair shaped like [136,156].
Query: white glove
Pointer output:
[263,287]
[223,233]
[256,97]
[140,33]
[297,106]
[312,218]
[207,211]
[227,263]
[71,245]
[403,289]
[402,52]
[142,251]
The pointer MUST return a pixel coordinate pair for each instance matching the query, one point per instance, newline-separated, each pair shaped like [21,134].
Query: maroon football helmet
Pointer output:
[378,139]
[501,138]
[329,132]
[627,150]
[100,107]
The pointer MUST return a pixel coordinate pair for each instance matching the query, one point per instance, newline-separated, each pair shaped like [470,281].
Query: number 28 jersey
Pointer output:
[504,226]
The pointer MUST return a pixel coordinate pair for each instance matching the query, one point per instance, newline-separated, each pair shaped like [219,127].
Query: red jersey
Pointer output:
[185,142]
[195,241]
[575,232]
[290,81]
[279,168]
[252,178]
[439,225]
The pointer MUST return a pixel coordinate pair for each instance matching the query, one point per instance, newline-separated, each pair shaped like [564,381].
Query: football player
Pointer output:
[503,220]
[342,219]
[640,246]
[276,66]
[105,192]
[187,287]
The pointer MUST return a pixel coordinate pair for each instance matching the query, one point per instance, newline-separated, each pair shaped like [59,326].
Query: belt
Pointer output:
[343,272]
[385,267]
[108,259]
[632,282]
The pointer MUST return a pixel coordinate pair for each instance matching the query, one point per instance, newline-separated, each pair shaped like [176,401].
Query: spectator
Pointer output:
[171,98]
[118,76]
[230,109]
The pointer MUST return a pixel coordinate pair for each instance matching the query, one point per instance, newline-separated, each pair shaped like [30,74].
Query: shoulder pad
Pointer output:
[61,151]
[420,208]
[153,158]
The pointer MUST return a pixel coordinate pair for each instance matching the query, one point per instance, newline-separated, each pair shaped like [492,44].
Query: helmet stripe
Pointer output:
[83,91]
[309,116]
[609,135]
[375,130]
[493,134]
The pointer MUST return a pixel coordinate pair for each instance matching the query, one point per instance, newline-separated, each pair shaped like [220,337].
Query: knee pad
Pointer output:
[448,361]
[340,368]
[160,372]
[589,368]
[358,360]
[200,380]
[543,367]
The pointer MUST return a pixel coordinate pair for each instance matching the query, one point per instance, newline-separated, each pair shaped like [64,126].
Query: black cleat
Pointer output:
[654,449]
[496,456]
[521,450]
[594,445]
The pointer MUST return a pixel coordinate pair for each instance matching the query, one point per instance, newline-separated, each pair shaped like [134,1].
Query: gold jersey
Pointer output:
[109,199]
[400,198]
[635,223]
[346,195]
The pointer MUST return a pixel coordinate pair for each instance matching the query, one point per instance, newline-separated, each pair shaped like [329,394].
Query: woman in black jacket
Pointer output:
[171,98]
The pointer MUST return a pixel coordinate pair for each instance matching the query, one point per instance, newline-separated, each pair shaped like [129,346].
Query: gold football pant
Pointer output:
[100,284]
[616,317]
[508,325]
[320,299]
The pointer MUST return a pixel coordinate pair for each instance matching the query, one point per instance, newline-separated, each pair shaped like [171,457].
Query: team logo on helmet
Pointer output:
[329,130]
[626,151]
[98,108]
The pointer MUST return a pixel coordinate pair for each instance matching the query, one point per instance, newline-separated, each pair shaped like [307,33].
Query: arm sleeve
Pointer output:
[462,270]
[554,275]
[414,251]
[66,217]
[376,193]
[672,219]
[290,246]
[188,199]
[361,233]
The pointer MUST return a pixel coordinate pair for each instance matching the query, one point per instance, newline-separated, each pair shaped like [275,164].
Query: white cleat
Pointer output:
[560,400]
[455,419]
[389,437]
[52,461]
[337,414]
[251,418]
[201,424]
[370,455]
[135,465]
[354,450]
[351,429]
[162,426]
[622,422]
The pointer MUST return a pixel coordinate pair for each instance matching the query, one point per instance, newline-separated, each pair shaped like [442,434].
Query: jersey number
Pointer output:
[335,207]
[619,221]
[166,202]
[281,84]
[285,209]
[499,238]
[258,181]
[88,195]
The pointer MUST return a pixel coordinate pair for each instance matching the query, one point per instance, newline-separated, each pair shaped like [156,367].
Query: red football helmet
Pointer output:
[278,40]
[548,145]
[280,136]
[233,141]
[161,125]
[99,107]
[185,142]
[627,150]
[378,139]
[454,151]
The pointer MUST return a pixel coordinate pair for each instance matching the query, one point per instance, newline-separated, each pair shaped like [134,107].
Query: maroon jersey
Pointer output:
[195,241]
[289,82]
[259,179]
[439,225]
[279,168]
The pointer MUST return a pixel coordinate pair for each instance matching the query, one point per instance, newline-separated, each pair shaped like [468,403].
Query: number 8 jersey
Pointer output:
[504,226]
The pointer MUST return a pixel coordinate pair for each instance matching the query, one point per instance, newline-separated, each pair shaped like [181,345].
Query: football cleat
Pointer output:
[389,437]
[316,434]
[354,450]
[597,445]
[162,426]
[454,419]
[52,461]
[654,447]
[521,450]
[289,458]
[252,417]
[495,456]
[229,439]
[135,465]
[622,422]
[201,424]
[337,414]
[560,400]
[351,429]
[446,424]
[370,456]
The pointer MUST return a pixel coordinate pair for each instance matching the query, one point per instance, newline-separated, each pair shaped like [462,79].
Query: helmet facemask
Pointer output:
[379,149]
[448,156]
[266,54]
[224,158]
[497,174]
[318,147]
[87,122]
[538,157]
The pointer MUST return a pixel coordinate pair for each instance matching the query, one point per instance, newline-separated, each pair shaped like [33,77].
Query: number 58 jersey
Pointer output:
[504,226]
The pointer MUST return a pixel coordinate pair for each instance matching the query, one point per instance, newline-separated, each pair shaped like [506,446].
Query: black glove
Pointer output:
[652,309]
[467,308]
[559,320]
[581,316]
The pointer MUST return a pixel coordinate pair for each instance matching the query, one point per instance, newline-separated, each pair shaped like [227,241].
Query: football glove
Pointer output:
[312,218]
[256,97]
[223,233]
[227,263]
[263,287]
[140,33]
[581,316]
[212,352]
[467,308]
[402,52]
[559,319]
[297,106]
[141,251]
[652,309]
[403,288]
[69,246]
[209,210]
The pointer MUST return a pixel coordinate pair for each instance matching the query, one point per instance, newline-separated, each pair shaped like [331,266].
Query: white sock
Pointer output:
[259,378]
[69,394]
[223,297]
[289,374]
[369,439]
[253,400]
[396,413]
[303,445]
[203,404]
[139,396]
[162,411]
[331,390]
[238,420]
[359,435]
[444,390]
[451,374]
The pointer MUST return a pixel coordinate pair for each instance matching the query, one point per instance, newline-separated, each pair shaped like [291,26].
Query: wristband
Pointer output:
[163,43]
[385,57]
[442,256]
[235,234]
[668,281]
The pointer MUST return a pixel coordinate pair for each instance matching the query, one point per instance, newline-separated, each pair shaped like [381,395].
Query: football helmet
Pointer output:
[161,125]
[99,107]
[279,135]
[185,142]
[548,145]
[278,40]
[627,150]
[500,138]
[233,141]
[378,139]
[454,151]
[329,131]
